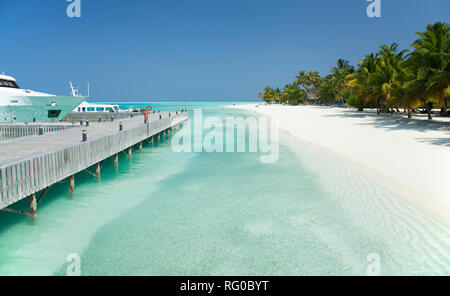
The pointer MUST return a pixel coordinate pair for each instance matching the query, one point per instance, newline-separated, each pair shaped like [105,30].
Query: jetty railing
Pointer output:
[23,178]
[10,131]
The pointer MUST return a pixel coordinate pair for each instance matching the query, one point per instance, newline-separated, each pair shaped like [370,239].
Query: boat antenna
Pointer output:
[71,87]
[88,90]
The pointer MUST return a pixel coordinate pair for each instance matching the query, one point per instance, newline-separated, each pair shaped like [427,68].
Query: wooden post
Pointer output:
[130,152]
[72,184]
[32,204]
[97,170]
[140,147]
[116,160]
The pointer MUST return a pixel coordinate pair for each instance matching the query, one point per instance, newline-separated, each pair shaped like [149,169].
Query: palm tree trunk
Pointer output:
[342,99]
[444,107]
[409,112]
[378,108]
[428,111]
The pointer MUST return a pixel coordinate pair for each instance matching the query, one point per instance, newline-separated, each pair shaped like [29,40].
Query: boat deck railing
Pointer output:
[103,116]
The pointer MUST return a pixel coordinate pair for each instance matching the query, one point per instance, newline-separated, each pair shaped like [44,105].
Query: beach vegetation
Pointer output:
[390,79]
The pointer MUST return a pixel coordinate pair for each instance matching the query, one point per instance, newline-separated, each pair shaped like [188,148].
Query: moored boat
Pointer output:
[22,105]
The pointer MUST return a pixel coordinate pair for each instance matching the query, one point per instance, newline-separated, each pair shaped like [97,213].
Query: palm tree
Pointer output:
[327,90]
[388,70]
[431,53]
[268,95]
[386,79]
[277,96]
[341,75]
[364,79]
[405,91]
[307,80]
[292,94]
[417,84]
[312,78]
[301,79]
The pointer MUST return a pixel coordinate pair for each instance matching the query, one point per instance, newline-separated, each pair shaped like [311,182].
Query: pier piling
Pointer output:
[98,168]
[32,204]
[72,184]
[116,160]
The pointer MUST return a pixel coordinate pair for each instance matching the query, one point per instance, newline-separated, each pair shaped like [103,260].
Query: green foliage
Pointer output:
[386,79]
[430,56]
[292,94]
[327,90]
[356,102]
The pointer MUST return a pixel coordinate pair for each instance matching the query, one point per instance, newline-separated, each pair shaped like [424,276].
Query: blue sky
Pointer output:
[195,49]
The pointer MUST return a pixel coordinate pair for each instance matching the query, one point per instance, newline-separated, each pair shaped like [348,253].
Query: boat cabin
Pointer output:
[8,81]
[89,107]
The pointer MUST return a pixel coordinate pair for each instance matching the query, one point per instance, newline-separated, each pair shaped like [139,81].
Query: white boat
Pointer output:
[21,105]
[86,107]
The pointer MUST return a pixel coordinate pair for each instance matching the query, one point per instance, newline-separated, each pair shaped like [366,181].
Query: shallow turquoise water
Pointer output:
[167,213]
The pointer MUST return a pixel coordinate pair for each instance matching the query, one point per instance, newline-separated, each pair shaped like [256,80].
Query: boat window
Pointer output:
[100,109]
[108,109]
[90,109]
[7,83]
[116,108]
[84,109]
[53,113]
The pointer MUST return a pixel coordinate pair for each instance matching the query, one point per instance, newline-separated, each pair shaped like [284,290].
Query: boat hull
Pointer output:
[42,108]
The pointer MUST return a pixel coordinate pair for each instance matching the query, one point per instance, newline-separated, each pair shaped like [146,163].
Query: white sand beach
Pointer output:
[410,157]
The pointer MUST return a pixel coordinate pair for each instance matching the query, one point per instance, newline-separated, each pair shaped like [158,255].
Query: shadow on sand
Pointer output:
[396,122]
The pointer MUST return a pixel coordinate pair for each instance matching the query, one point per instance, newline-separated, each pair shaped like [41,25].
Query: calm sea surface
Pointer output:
[167,213]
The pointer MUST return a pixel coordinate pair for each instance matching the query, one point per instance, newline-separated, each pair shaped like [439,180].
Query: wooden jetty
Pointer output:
[32,164]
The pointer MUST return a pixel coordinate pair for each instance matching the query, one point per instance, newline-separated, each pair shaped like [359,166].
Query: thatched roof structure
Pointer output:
[311,95]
